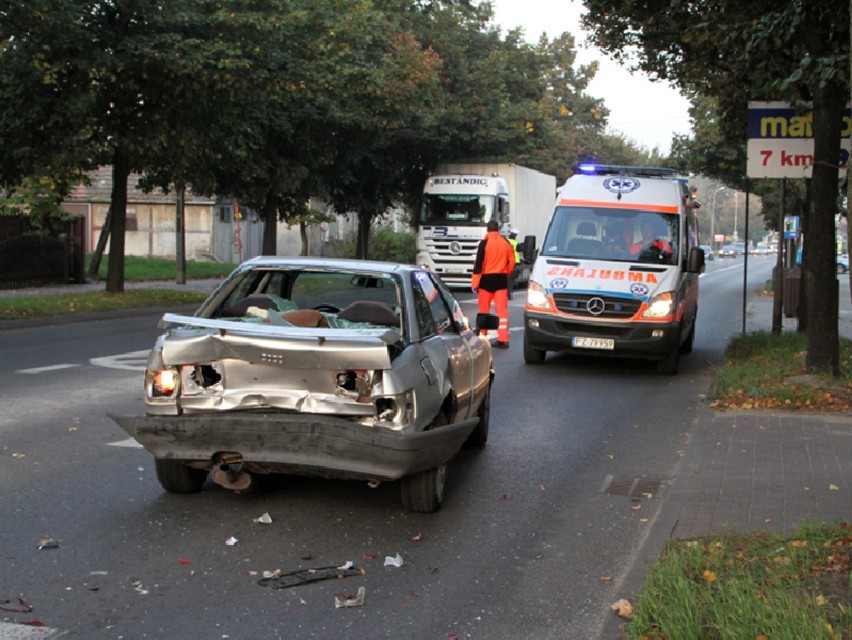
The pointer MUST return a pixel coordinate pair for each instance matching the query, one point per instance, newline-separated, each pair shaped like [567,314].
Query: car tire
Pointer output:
[668,365]
[686,347]
[531,354]
[479,436]
[840,268]
[176,477]
[424,492]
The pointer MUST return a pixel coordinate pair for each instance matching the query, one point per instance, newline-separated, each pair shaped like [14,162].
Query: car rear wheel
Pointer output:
[424,492]
[531,354]
[479,436]
[840,268]
[176,477]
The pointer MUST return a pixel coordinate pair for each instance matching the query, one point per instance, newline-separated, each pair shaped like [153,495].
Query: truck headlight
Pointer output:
[537,296]
[660,306]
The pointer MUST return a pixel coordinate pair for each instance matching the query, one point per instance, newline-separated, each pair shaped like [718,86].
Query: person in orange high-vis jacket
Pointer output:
[495,262]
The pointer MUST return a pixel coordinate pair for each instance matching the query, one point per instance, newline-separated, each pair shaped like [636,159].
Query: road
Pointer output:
[535,537]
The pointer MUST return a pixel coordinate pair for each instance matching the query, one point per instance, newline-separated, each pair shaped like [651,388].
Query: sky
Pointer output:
[647,112]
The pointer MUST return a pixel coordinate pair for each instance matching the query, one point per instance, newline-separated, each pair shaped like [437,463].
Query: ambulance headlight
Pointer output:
[537,296]
[660,306]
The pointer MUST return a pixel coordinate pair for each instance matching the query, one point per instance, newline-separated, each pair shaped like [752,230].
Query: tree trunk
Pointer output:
[819,276]
[362,245]
[270,224]
[303,233]
[118,221]
[98,254]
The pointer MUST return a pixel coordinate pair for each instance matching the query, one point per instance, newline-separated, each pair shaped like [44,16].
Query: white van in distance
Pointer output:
[617,274]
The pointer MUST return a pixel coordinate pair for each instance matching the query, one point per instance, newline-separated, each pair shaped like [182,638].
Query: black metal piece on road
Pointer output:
[304,576]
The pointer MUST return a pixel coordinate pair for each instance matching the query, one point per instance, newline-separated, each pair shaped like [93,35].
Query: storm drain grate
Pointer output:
[630,486]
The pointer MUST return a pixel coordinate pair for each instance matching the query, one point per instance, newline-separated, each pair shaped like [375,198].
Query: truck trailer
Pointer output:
[459,200]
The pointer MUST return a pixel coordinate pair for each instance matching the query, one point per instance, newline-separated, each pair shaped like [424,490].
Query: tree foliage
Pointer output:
[273,101]
[733,51]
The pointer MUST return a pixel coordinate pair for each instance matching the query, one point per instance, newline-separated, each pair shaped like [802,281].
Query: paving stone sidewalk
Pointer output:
[765,470]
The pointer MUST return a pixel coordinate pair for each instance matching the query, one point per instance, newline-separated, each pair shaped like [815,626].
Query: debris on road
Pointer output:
[48,543]
[20,607]
[394,561]
[350,600]
[279,580]
[231,541]
[264,519]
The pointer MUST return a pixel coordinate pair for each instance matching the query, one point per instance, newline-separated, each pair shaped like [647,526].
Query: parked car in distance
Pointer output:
[318,367]
[708,252]
[843,263]
[728,251]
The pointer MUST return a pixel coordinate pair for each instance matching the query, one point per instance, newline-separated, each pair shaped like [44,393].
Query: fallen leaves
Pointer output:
[622,608]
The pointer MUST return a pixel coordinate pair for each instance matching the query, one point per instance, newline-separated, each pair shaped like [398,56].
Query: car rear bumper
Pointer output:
[313,445]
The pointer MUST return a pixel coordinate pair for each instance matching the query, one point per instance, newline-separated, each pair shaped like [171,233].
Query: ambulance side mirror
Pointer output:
[695,261]
[528,250]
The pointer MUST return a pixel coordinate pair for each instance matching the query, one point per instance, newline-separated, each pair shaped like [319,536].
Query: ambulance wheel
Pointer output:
[686,347]
[668,365]
[533,355]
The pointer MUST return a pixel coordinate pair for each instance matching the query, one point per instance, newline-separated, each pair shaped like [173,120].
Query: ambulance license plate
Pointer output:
[593,343]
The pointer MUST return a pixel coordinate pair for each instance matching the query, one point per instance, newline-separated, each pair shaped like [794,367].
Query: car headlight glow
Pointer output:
[537,296]
[660,306]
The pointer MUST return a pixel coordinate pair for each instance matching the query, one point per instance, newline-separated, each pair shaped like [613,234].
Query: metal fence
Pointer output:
[30,260]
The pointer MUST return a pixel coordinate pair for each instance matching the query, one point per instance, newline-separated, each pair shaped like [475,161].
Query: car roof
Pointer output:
[333,264]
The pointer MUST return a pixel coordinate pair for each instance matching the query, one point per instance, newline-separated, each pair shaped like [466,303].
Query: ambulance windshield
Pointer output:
[622,235]
[456,209]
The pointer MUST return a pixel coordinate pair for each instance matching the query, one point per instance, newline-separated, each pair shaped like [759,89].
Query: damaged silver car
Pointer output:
[330,368]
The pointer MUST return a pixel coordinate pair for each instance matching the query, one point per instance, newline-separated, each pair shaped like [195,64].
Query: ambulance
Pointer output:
[617,274]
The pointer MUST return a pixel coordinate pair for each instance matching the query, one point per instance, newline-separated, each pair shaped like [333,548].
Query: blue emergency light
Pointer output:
[591,169]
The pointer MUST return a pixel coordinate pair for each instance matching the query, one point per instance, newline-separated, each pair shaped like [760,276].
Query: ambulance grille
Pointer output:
[614,308]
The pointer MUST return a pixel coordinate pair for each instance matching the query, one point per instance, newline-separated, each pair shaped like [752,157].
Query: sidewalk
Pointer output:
[747,470]
[765,470]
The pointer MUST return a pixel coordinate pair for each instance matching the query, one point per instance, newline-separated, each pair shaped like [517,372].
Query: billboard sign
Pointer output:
[781,143]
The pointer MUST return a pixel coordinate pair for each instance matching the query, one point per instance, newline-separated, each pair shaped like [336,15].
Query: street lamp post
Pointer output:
[736,210]
[713,217]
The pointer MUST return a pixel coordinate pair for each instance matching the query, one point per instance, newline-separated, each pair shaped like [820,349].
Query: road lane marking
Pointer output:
[129,443]
[130,361]
[53,367]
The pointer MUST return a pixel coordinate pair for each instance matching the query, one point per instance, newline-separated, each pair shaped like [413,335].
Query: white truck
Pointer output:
[460,199]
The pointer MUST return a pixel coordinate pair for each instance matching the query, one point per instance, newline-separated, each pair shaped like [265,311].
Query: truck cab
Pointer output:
[453,213]
[617,273]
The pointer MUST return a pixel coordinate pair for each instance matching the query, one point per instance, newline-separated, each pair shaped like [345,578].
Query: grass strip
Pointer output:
[63,304]
[764,370]
[755,585]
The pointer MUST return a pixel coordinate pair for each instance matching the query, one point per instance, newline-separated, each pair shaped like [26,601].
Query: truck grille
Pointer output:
[451,250]
[614,307]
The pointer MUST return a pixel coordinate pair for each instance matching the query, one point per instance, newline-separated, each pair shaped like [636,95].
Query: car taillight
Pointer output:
[162,383]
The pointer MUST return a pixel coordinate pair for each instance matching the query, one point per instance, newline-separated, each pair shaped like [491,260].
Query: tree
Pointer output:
[739,51]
